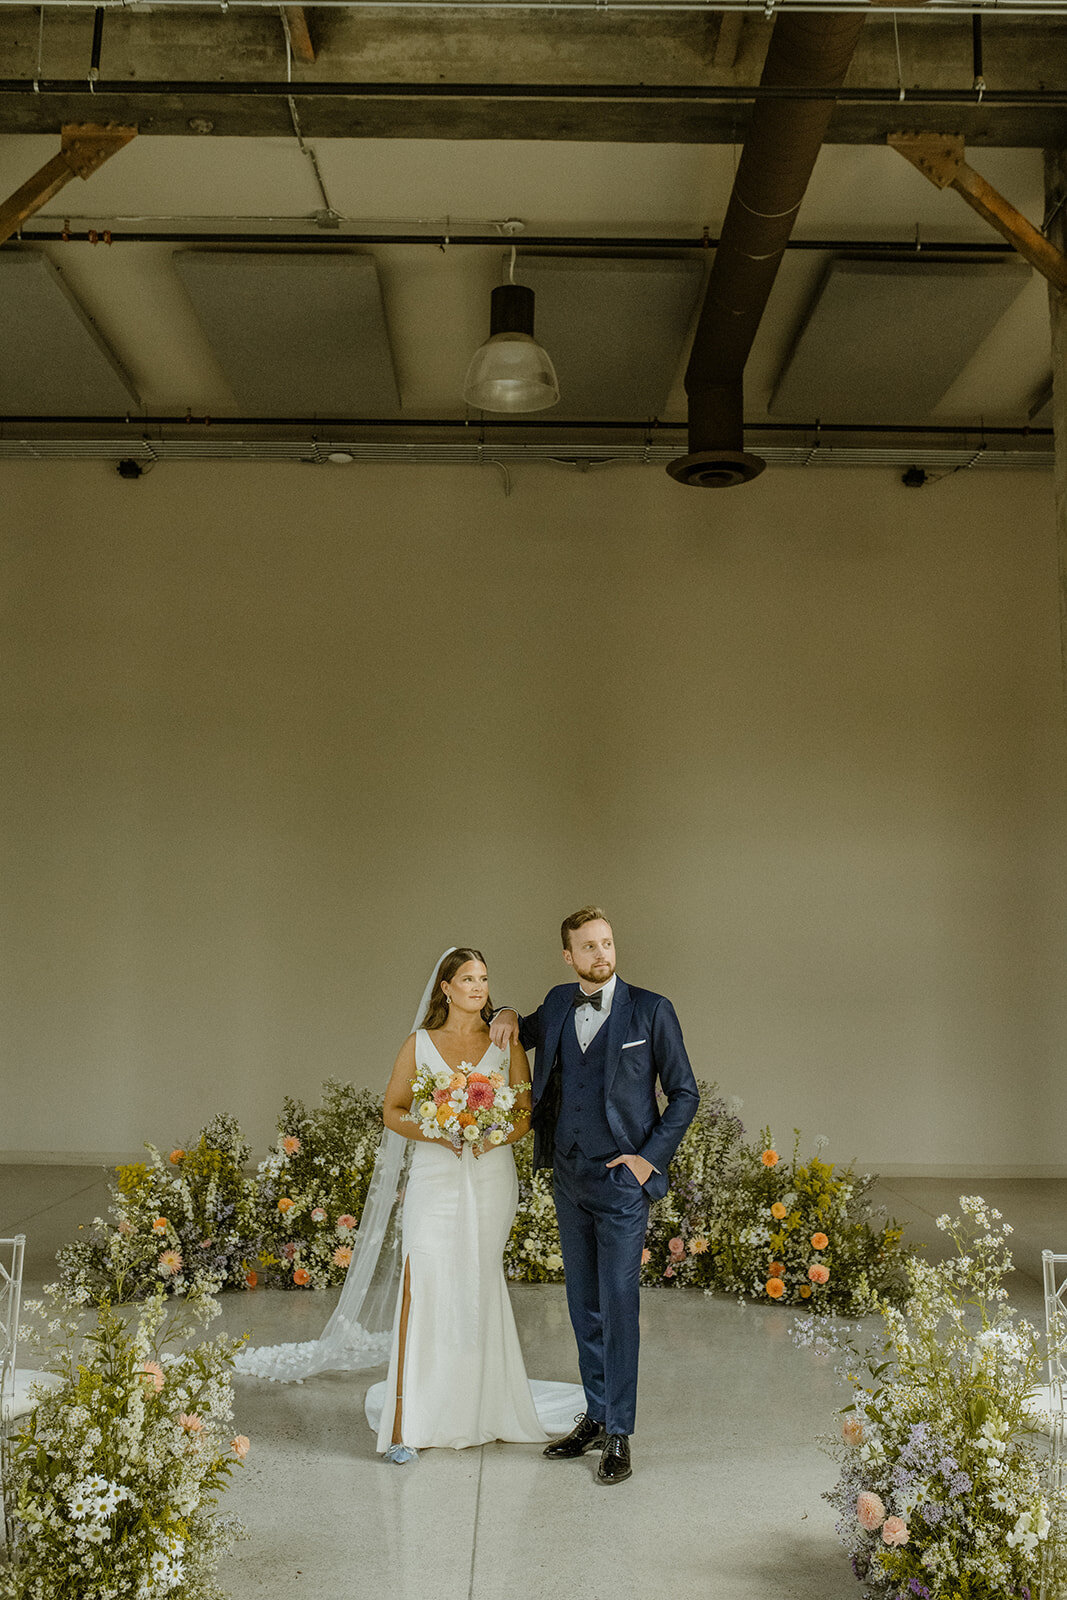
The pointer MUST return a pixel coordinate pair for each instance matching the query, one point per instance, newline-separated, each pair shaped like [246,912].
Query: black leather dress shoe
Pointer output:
[587,1435]
[615,1462]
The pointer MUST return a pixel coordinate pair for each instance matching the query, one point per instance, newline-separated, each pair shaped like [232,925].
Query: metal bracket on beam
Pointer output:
[940,158]
[84,147]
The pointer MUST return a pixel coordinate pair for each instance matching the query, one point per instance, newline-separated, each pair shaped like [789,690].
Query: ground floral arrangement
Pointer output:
[947,1489]
[740,1217]
[111,1483]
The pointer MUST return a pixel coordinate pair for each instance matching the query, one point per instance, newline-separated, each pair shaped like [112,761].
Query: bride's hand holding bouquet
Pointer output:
[467,1108]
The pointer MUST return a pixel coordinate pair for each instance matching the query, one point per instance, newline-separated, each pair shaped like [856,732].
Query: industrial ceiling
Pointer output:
[294,255]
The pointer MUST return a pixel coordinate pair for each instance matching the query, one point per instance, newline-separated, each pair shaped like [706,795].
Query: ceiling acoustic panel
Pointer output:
[53,361]
[884,340]
[615,328]
[297,334]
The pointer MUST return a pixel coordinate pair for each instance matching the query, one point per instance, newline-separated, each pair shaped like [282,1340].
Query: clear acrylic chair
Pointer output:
[18,1388]
[1054,1405]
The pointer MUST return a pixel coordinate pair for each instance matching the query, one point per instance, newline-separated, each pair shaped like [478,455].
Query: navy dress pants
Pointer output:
[603,1214]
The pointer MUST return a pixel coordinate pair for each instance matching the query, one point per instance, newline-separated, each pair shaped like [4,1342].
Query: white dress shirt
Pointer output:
[588,1021]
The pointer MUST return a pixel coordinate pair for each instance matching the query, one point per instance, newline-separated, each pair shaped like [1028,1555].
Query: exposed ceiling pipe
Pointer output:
[780,150]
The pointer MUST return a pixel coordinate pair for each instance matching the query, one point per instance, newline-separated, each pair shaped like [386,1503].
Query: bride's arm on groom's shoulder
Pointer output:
[397,1102]
[523,1107]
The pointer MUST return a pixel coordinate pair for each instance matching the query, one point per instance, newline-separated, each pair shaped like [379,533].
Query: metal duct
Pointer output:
[783,143]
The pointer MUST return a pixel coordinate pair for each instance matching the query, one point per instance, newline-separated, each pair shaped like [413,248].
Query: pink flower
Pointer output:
[289,1250]
[346,1222]
[677,1249]
[646,1256]
[895,1530]
[818,1273]
[441,1096]
[170,1264]
[480,1096]
[125,1226]
[240,1446]
[496,1079]
[852,1430]
[869,1510]
[318,1215]
[290,1144]
[190,1423]
[205,1244]
[669,1272]
[343,1255]
[154,1372]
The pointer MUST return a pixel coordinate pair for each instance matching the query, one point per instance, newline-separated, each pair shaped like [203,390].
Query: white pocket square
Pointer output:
[634,1043]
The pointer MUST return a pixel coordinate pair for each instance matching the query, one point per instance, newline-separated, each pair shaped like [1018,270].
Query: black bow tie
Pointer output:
[595,1000]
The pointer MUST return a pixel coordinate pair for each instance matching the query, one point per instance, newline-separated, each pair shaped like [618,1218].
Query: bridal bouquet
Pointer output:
[464,1106]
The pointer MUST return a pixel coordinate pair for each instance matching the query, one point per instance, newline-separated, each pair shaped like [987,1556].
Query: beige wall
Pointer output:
[274,736]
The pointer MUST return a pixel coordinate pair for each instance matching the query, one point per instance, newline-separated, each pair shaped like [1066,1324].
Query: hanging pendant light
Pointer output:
[510,371]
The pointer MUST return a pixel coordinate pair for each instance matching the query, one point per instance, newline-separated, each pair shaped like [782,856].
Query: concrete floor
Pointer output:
[725,1498]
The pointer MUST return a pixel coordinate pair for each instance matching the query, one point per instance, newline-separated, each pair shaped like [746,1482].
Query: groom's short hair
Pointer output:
[575,921]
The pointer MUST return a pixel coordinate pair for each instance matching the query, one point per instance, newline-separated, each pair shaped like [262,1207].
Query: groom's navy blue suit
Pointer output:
[590,1107]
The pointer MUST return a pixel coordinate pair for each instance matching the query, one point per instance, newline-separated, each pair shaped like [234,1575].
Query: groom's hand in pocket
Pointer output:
[641,1169]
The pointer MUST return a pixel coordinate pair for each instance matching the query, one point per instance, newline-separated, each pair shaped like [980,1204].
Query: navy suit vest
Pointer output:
[582,1121]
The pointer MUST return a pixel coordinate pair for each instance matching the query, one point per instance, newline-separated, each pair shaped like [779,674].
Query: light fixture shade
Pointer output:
[510,371]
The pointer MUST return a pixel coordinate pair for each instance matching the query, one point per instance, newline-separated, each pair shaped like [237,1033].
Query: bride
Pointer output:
[456,1376]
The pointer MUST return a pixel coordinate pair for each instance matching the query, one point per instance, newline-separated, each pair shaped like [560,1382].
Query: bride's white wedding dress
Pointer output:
[463,1381]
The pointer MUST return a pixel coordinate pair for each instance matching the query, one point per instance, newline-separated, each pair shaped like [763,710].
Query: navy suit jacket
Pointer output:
[644,1042]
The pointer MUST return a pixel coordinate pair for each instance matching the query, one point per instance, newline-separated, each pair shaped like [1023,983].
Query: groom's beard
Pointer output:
[597,974]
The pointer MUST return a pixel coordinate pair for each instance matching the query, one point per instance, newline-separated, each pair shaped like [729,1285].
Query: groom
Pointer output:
[601,1045]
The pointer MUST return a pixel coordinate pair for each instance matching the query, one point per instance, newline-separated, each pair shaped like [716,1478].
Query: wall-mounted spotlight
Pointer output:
[510,371]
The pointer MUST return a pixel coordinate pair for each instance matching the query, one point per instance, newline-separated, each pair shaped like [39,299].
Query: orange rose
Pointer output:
[819,1241]
[496,1079]
[818,1273]
[769,1158]
[805,1291]
[443,1114]
[467,1120]
[775,1288]
[477,1077]
[776,1269]
[251,1279]
[778,1210]
[301,1277]
[459,1081]
[175,1156]
[285,1204]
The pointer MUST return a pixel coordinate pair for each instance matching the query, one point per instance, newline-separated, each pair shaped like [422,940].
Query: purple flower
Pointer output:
[918,1589]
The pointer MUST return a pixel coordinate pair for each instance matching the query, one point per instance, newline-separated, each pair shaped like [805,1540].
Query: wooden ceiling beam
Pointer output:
[940,158]
[300,33]
[84,147]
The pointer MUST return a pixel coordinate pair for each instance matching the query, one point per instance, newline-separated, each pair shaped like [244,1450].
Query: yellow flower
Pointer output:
[778,1210]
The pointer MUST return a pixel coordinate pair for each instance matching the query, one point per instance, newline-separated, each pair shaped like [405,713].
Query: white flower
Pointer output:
[471,1133]
[504,1098]
[553,1263]
[441,1080]
[427,1110]
[496,1137]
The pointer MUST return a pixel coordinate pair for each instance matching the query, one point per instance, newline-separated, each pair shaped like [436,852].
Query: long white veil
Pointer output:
[359,1334]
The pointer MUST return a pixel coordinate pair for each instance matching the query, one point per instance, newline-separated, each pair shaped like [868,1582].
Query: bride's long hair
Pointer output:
[437,1010]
